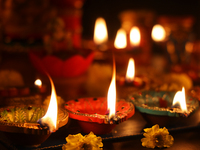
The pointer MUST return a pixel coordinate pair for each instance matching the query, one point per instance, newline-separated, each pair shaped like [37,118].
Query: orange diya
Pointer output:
[100,115]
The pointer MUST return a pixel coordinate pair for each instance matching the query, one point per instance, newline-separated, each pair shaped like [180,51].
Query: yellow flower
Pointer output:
[79,142]
[156,136]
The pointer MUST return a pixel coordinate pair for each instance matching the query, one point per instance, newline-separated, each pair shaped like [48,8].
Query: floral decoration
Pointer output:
[157,137]
[80,142]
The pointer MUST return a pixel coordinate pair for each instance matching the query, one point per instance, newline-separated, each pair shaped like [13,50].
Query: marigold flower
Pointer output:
[80,142]
[157,137]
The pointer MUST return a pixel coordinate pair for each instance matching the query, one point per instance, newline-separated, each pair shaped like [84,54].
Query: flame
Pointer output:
[100,31]
[135,36]
[179,98]
[130,73]
[111,97]
[120,40]
[50,118]
[38,82]
[158,33]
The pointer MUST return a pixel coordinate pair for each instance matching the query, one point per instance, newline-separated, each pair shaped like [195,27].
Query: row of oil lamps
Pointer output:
[99,115]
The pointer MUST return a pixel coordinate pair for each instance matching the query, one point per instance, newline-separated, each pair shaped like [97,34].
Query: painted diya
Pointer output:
[92,114]
[165,108]
[19,124]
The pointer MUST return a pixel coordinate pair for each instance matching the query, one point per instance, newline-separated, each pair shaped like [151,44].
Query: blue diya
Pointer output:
[156,107]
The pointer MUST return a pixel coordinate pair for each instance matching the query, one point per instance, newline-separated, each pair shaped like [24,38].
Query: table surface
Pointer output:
[126,135]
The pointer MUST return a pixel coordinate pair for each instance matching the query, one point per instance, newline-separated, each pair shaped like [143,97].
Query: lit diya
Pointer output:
[100,115]
[130,79]
[165,108]
[23,90]
[29,125]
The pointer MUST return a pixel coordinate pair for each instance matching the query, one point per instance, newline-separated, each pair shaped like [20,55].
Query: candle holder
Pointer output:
[19,124]
[156,108]
[92,114]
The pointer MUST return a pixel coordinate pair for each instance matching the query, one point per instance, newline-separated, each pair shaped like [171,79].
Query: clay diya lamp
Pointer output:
[32,125]
[166,108]
[92,114]
[55,66]
[100,115]
[19,124]
[130,79]
[20,91]
[128,83]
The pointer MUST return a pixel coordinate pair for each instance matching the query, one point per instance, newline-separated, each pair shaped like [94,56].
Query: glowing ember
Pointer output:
[50,118]
[120,40]
[100,31]
[135,36]
[179,99]
[38,82]
[158,33]
[130,74]
[111,97]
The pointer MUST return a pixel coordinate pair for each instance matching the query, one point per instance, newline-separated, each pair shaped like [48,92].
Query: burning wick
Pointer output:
[179,101]
[50,118]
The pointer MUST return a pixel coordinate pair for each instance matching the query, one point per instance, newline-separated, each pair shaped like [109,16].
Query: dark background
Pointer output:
[110,9]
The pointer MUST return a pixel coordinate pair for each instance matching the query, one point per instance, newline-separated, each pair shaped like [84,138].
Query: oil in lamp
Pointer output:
[100,115]
[166,108]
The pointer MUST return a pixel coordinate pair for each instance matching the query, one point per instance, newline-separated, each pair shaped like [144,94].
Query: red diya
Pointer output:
[92,114]
[100,115]
[56,67]
[166,108]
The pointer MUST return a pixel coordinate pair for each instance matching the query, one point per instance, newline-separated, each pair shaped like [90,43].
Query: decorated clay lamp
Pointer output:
[28,125]
[100,115]
[130,79]
[165,108]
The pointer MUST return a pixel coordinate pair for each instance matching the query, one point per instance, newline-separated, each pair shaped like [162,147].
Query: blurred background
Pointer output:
[56,37]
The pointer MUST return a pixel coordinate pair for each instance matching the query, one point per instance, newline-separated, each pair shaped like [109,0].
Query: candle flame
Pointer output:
[100,31]
[50,118]
[120,40]
[111,97]
[38,82]
[180,99]
[130,73]
[158,33]
[135,36]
